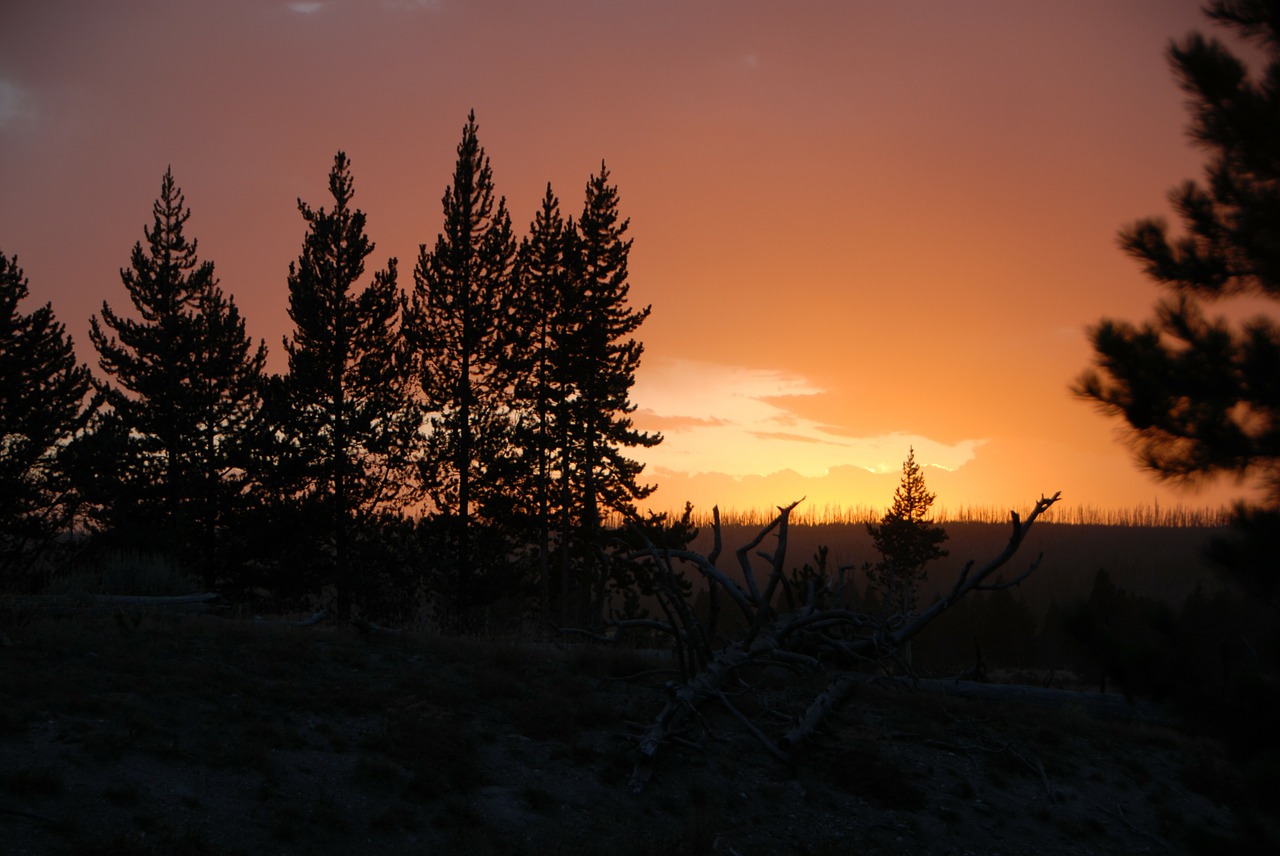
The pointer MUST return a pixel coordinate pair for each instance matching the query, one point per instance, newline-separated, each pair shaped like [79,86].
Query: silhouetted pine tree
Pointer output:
[1201,395]
[603,357]
[543,384]
[348,422]
[43,390]
[906,540]
[464,331]
[187,383]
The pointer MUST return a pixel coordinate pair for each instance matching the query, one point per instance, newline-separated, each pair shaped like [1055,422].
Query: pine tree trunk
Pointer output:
[462,535]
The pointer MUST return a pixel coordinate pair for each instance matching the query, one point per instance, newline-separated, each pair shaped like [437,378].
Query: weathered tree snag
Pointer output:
[704,685]
[313,619]
[72,604]
[369,628]
[819,636]
[827,701]
[152,600]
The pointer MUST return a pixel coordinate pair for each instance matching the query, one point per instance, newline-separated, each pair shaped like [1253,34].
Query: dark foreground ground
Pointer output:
[168,735]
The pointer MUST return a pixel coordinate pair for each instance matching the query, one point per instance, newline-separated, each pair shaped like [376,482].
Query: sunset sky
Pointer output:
[862,226]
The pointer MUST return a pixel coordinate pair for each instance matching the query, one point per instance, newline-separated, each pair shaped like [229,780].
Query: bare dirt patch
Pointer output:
[198,735]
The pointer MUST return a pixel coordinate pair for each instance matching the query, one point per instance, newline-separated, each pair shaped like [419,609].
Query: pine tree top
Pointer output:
[911,499]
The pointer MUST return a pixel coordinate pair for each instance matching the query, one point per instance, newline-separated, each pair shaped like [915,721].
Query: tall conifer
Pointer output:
[185,381]
[603,356]
[349,422]
[43,390]
[606,356]
[463,330]
[544,382]
[1197,394]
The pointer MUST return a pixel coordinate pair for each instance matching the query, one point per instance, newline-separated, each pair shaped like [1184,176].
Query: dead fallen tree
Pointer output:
[801,624]
[17,611]
[69,605]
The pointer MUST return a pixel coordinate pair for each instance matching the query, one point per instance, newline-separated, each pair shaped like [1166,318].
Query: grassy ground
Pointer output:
[138,733]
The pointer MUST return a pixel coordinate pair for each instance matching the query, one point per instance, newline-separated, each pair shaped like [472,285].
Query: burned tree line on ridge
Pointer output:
[463,434]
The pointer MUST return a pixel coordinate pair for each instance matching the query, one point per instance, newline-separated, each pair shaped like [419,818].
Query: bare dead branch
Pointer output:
[752,729]
[152,600]
[1016,537]
[778,559]
[744,560]
[1013,582]
[314,619]
[369,628]
[960,581]
[826,701]
[589,634]
[711,572]
[715,528]
[820,634]
[782,655]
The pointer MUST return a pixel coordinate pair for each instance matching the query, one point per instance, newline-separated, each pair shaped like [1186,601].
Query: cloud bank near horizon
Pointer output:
[735,421]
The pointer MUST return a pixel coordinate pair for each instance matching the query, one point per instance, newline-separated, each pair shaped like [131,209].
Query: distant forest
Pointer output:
[1175,516]
[434,444]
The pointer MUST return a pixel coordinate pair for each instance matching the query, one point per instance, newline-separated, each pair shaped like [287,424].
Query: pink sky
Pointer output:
[862,226]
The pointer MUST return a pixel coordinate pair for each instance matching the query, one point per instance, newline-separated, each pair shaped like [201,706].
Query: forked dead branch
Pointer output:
[802,622]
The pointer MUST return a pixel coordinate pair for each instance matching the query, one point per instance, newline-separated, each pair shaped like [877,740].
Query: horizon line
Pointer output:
[1080,514]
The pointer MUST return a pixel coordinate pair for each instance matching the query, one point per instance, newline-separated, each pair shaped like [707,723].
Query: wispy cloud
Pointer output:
[784,435]
[676,424]
[736,421]
[311,7]
[413,5]
[15,103]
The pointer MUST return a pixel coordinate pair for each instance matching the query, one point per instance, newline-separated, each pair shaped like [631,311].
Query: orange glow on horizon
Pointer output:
[860,226]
